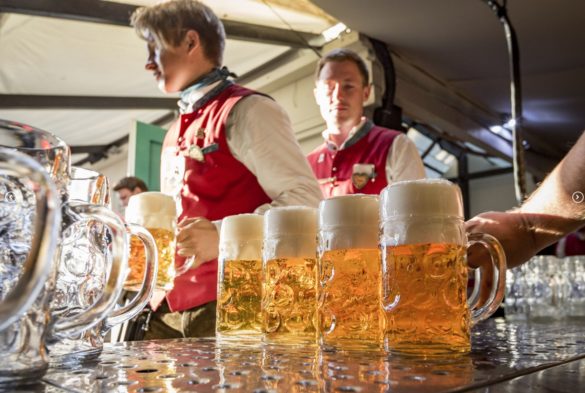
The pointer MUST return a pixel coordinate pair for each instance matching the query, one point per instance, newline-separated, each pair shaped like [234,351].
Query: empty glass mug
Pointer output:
[424,269]
[26,247]
[27,359]
[239,279]
[289,293]
[92,187]
[157,213]
[348,306]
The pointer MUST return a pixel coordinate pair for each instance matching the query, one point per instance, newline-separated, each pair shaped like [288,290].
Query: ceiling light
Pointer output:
[334,31]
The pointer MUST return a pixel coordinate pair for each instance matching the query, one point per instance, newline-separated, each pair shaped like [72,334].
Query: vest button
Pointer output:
[334,169]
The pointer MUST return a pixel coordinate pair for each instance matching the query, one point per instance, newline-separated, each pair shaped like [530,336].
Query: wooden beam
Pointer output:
[15,101]
[112,13]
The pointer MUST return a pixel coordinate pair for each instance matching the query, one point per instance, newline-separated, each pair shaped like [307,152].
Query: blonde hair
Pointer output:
[166,24]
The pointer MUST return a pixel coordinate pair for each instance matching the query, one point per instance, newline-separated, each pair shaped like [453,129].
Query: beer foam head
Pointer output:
[152,210]
[290,220]
[425,197]
[240,237]
[422,211]
[356,210]
[290,232]
[352,221]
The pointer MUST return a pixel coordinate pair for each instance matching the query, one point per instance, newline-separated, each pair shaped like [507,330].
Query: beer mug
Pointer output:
[349,273]
[289,294]
[157,213]
[239,280]
[25,358]
[90,186]
[424,269]
[25,259]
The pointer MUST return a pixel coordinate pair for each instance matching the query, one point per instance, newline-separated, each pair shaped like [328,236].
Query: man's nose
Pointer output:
[150,65]
[336,91]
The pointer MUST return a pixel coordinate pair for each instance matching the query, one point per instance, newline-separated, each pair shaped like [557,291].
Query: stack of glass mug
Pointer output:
[64,257]
[546,288]
[359,273]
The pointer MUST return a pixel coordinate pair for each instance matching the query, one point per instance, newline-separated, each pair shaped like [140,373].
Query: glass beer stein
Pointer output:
[157,213]
[25,358]
[289,294]
[239,280]
[92,187]
[348,305]
[424,269]
[25,259]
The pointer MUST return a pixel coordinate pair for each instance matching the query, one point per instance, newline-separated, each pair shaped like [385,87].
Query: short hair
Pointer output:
[343,54]
[130,182]
[166,23]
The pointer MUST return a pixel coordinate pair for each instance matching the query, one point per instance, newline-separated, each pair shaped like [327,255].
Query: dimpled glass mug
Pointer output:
[25,257]
[289,293]
[92,187]
[239,278]
[156,212]
[424,269]
[23,357]
[349,273]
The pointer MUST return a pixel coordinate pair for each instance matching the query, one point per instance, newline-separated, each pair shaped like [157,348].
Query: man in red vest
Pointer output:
[357,156]
[231,151]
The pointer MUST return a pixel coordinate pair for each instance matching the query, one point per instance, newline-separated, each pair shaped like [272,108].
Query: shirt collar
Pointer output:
[204,85]
[355,134]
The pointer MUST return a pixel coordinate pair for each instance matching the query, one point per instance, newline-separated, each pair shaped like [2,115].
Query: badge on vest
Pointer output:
[361,174]
[197,153]
[200,133]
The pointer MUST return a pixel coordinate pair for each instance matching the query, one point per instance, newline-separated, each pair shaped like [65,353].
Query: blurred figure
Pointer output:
[356,156]
[572,244]
[555,209]
[129,186]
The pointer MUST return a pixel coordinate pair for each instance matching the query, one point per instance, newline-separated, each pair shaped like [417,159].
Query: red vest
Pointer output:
[215,185]
[335,168]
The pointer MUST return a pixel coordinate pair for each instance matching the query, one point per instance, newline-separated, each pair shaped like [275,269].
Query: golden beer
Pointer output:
[165,244]
[425,295]
[289,299]
[349,311]
[239,296]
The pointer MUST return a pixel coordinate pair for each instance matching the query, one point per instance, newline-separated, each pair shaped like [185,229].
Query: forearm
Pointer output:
[557,207]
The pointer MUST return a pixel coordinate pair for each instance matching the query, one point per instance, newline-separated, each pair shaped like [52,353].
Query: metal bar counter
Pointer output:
[506,356]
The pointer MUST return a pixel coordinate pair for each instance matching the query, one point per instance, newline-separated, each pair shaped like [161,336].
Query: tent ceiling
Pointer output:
[85,81]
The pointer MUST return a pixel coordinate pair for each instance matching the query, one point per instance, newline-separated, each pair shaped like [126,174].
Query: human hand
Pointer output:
[198,238]
[512,229]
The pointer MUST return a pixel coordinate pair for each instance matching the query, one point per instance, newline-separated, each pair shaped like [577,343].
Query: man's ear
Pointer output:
[367,91]
[192,40]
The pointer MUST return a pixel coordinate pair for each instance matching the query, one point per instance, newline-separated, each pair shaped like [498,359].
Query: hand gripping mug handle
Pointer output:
[68,326]
[498,262]
[185,266]
[47,221]
[139,301]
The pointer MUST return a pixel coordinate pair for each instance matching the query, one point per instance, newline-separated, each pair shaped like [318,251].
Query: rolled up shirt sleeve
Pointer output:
[259,134]
[403,161]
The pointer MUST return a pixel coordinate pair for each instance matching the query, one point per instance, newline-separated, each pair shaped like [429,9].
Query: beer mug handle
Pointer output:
[185,266]
[498,285]
[72,325]
[140,300]
[47,221]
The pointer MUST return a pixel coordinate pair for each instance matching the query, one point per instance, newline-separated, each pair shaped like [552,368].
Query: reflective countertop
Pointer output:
[512,356]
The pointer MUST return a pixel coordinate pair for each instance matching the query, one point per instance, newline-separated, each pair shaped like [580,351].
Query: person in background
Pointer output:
[129,186]
[572,244]
[231,151]
[555,209]
[356,156]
